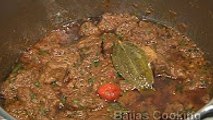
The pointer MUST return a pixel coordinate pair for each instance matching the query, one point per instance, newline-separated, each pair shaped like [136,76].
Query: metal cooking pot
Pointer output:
[23,22]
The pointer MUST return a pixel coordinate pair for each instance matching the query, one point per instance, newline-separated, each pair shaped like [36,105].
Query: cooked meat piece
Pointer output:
[88,28]
[125,28]
[110,22]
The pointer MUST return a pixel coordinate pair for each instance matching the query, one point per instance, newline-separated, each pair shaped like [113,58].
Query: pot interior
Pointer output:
[24,22]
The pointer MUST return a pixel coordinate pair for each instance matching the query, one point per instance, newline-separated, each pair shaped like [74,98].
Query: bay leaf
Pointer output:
[131,62]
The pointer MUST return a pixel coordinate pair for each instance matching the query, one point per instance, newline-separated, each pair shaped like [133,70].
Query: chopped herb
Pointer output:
[119,36]
[32,96]
[204,83]
[85,26]
[127,81]
[43,111]
[96,62]
[17,67]
[75,101]
[116,106]
[118,75]
[154,46]
[54,84]
[91,81]
[189,110]
[43,52]
[37,84]
[63,99]
[182,43]
[103,38]
[148,31]
[97,53]
[179,88]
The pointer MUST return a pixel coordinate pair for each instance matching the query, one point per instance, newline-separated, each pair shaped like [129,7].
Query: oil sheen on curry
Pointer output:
[93,69]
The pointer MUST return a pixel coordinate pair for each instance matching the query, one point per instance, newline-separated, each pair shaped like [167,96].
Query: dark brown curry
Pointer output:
[59,77]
